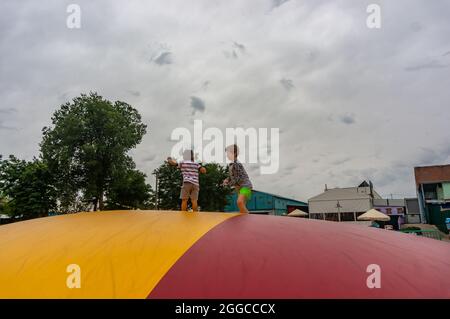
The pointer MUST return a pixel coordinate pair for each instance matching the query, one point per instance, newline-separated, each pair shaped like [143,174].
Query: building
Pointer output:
[266,203]
[394,208]
[343,204]
[433,193]
[412,211]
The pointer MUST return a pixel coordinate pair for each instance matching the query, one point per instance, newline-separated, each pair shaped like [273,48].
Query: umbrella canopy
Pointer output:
[374,214]
[297,213]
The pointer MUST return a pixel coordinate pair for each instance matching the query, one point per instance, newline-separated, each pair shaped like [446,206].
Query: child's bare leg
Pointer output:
[194,205]
[184,205]
[241,203]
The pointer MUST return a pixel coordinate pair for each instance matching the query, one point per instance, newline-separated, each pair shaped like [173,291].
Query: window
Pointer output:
[347,217]
[332,217]
[430,191]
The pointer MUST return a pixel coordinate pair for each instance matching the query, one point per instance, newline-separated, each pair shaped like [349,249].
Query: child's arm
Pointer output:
[171,161]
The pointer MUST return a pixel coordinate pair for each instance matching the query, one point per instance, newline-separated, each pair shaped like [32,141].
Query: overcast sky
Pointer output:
[352,103]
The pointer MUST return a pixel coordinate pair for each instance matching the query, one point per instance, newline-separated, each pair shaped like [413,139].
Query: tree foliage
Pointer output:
[169,181]
[129,191]
[213,196]
[26,188]
[86,148]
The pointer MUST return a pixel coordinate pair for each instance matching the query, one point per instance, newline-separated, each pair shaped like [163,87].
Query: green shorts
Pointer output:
[246,191]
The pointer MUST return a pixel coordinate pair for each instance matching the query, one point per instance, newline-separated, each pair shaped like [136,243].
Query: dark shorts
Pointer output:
[189,190]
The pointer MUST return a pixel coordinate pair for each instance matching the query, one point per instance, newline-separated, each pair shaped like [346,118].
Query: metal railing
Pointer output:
[424,232]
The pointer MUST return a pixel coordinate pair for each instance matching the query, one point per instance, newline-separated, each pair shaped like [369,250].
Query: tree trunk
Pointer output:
[100,202]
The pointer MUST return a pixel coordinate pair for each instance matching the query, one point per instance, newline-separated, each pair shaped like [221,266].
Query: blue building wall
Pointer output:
[265,202]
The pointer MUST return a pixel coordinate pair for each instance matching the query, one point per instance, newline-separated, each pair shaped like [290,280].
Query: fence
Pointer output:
[425,233]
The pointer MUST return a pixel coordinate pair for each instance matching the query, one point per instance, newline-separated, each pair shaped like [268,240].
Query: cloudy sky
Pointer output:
[351,103]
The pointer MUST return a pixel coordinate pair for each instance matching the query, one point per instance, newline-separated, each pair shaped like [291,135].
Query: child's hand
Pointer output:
[225,182]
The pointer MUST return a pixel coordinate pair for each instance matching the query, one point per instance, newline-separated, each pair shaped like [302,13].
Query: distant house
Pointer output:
[267,203]
[394,208]
[433,193]
[343,204]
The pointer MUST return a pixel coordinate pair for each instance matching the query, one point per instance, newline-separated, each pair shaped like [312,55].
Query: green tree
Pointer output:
[28,188]
[168,187]
[213,193]
[129,191]
[4,209]
[213,196]
[87,146]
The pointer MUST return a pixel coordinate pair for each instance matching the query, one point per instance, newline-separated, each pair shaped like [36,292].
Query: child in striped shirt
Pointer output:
[189,170]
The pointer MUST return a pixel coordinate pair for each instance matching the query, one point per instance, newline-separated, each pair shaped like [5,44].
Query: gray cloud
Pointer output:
[8,110]
[416,26]
[287,84]
[347,119]
[134,93]
[2,127]
[235,49]
[429,156]
[289,169]
[230,54]
[427,65]
[149,158]
[197,104]
[344,68]
[278,3]
[205,85]
[239,46]
[340,161]
[163,58]
[5,114]
[5,126]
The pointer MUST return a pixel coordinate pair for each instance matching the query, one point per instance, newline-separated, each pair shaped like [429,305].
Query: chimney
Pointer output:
[326,187]
[371,188]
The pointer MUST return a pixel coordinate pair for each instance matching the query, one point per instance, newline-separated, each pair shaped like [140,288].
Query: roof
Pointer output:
[432,166]
[282,197]
[344,193]
[389,202]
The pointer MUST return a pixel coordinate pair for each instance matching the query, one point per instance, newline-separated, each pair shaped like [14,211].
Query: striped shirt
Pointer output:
[189,170]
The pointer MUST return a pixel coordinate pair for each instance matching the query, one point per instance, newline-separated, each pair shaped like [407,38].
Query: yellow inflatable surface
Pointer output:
[120,254]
